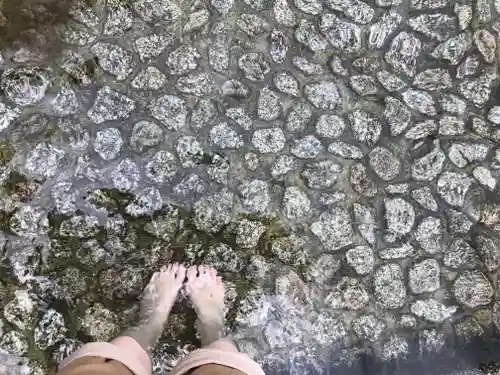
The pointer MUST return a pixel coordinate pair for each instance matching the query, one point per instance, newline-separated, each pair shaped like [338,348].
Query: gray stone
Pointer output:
[424,277]
[321,175]
[307,67]
[44,160]
[283,14]
[390,82]
[110,105]
[248,233]
[145,134]
[345,150]
[365,222]
[334,229]
[462,154]
[150,46]
[64,104]
[484,177]
[22,310]
[420,101]
[307,33]
[203,114]
[240,116]
[252,24]
[162,167]
[286,83]
[422,129]
[223,257]
[50,329]
[342,35]
[197,84]
[395,348]
[254,66]
[429,166]
[14,342]
[146,202]
[157,11]
[397,115]
[473,289]
[489,252]
[368,327]
[365,126]
[125,176]
[400,252]
[452,187]
[478,89]
[364,85]
[149,79]
[25,85]
[361,182]
[270,140]
[433,80]
[269,106]
[486,44]
[108,143]
[307,148]
[213,212]
[451,125]
[323,95]
[403,53]
[296,204]
[298,117]
[225,137]
[189,151]
[459,253]
[380,31]
[437,26]
[255,196]
[283,165]
[170,110]
[424,197]
[384,163]
[330,126]
[113,59]
[348,294]
[453,49]
[361,259]
[99,323]
[399,215]
[432,310]
[389,289]
[429,235]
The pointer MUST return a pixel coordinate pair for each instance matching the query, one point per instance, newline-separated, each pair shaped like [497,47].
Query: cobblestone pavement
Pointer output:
[336,160]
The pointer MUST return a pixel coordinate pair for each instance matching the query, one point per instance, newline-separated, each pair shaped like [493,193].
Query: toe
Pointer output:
[181,272]
[219,280]
[154,277]
[163,268]
[212,272]
[173,268]
[201,270]
[169,267]
[192,272]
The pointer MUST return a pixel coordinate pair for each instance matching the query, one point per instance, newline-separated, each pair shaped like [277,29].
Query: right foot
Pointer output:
[206,292]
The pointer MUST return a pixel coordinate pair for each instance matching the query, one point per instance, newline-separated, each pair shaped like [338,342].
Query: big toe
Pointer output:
[192,272]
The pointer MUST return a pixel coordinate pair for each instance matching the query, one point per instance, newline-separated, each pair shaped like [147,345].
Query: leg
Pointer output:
[206,291]
[130,350]
[156,304]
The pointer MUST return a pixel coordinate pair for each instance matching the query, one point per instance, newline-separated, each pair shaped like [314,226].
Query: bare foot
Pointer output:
[157,301]
[206,291]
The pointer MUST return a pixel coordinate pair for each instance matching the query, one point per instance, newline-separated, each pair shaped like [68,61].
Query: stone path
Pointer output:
[336,160]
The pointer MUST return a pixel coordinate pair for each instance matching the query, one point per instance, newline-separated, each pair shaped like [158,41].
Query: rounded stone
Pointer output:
[270,140]
[108,143]
[384,163]
[388,285]
[424,277]
[361,259]
[330,126]
[25,85]
[473,289]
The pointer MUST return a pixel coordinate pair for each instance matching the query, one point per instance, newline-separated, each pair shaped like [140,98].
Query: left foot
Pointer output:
[156,304]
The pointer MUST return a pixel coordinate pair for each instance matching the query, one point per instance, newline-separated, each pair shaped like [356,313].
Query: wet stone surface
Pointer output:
[337,161]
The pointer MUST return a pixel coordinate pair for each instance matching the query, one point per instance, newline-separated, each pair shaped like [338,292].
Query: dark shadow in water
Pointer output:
[17,17]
